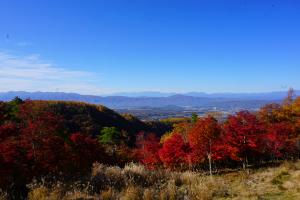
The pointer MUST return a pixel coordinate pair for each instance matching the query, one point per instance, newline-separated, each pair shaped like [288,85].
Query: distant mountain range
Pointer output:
[258,96]
[156,99]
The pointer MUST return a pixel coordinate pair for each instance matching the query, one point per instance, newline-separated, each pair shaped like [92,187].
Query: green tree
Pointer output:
[109,135]
[13,107]
[194,118]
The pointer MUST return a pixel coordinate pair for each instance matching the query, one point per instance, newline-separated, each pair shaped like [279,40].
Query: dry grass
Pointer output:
[3,195]
[134,182]
[108,194]
[131,193]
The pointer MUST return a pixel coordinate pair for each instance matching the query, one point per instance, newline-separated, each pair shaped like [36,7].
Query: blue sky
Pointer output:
[107,46]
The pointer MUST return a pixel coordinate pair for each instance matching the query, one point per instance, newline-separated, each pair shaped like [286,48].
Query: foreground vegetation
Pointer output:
[134,182]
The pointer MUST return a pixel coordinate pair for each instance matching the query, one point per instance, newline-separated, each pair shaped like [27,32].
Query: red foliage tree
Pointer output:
[277,142]
[7,130]
[243,133]
[10,159]
[40,131]
[37,144]
[202,138]
[31,147]
[147,150]
[83,151]
[174,151]
[36,119]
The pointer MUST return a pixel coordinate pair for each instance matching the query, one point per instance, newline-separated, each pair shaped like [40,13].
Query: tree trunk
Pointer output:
[209,163]
[244,165]
[209,158]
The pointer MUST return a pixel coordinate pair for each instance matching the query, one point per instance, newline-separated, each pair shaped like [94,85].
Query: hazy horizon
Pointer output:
[157,93]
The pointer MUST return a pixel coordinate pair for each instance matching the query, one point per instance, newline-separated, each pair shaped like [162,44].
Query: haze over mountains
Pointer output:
[258,96]
[157,99]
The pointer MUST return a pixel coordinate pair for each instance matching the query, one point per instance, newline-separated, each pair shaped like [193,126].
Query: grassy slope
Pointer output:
[135,183]
[272,183]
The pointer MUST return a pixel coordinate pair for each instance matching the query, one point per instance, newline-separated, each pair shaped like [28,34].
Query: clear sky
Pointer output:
[107,46]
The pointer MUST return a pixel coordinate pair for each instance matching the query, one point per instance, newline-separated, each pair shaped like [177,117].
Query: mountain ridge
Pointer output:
[181,100]
[254,95]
